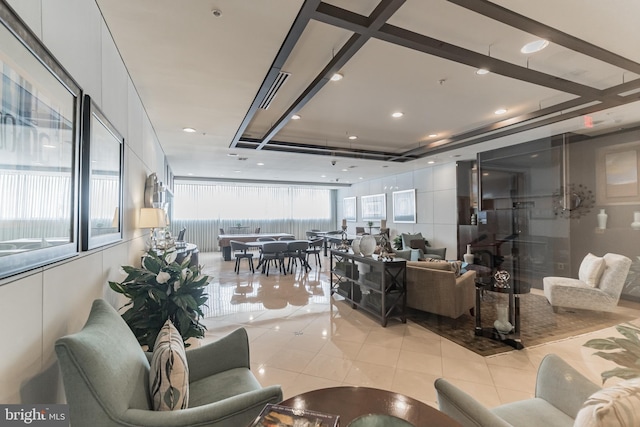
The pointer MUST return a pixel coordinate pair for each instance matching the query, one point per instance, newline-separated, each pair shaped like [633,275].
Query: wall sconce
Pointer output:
[152,218]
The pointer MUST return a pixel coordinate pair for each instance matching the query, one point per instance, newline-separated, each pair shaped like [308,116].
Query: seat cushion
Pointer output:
[222,386]
[615,406]
[591,269]
[533,413]
[169,372]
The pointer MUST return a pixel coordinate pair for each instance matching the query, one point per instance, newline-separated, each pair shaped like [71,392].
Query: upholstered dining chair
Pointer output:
[106,378]
[297,251]
[240,252]
[274,252]
[315,247]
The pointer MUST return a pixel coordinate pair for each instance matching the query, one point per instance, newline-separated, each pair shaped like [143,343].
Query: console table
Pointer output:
[378,287]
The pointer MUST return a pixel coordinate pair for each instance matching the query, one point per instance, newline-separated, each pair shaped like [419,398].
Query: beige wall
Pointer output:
[39,306]
[436,204]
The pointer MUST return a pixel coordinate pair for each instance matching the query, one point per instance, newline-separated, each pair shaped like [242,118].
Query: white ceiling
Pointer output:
[193,69]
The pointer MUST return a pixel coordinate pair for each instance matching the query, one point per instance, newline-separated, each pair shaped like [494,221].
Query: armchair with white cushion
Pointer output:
[598,286]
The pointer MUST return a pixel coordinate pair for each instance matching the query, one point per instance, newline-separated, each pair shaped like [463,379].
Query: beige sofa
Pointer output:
[433,287]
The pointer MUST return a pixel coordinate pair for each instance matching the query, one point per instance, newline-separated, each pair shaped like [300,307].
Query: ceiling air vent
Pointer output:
[273,90]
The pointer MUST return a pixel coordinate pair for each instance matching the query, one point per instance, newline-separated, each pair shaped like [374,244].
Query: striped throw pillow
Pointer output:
[616,406]
[169,373]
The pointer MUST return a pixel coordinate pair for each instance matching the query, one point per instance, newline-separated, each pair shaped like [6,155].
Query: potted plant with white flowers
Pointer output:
[163,289]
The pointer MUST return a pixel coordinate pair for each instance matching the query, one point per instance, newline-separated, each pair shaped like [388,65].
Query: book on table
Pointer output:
[285,416]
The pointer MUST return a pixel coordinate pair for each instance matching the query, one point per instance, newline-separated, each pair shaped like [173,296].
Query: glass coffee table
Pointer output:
[353,402]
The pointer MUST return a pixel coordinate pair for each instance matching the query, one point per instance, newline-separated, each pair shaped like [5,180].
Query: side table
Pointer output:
[514,291]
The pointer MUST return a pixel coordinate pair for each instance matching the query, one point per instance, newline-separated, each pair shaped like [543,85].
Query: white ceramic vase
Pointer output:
[502,324]
[636,220]
[468,257]
[355,245]
[367,245]
[602,219]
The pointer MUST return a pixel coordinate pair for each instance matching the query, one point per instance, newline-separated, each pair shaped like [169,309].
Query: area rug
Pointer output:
[539,324]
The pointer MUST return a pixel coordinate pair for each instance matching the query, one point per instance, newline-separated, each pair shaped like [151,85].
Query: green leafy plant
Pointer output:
[370,223]
[625,352]
[163,289]
[397,242]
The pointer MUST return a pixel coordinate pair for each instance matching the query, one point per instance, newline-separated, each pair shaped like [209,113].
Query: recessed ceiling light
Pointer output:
[500,111]
[189,130]
[361,177]
[260,164]
[345,170]
[433,135]
[397,114]
[190,174]
[323,176]
[534,46]
[232,154]
[431,162]
[482,71]
[353,137]
[336,77]
[238,171]
[296,117]
[48,146]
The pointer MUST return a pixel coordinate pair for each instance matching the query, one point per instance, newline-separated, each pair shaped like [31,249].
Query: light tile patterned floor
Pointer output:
[303,339]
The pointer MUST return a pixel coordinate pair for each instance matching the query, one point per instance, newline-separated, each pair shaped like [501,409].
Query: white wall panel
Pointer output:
[31,13]
[21,317]
[114,84]
[71,30]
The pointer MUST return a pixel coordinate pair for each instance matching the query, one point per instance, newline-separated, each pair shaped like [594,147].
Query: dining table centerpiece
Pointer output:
[160,289]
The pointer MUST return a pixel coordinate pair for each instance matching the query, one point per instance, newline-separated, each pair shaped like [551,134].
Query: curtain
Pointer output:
[204,208]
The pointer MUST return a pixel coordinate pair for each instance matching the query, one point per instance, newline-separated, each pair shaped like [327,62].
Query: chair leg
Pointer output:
[237,266]
[250,259]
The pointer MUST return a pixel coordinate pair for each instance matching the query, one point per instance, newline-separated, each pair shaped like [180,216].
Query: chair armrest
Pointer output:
[463,408]
[561,385]
[229,352]
[235,411]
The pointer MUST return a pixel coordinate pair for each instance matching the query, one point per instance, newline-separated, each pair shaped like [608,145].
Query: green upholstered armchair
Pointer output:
[106,378]
[560,393]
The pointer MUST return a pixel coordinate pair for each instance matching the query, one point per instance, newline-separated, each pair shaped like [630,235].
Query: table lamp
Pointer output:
[152,218]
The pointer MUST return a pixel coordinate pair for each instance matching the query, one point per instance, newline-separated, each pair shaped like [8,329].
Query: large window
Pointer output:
[236,202]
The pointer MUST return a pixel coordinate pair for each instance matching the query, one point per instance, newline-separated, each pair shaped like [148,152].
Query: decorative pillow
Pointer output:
[616,406]
[418,244]
[169,373]
[456,267]
[434,264]
[407,238]
[591,270]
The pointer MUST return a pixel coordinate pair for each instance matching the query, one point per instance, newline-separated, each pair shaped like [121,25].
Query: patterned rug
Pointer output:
[539,324]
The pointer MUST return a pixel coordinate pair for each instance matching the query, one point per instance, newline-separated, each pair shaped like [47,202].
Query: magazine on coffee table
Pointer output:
[285,416]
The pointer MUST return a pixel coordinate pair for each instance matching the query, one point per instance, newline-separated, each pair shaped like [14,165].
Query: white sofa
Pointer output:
[593,290]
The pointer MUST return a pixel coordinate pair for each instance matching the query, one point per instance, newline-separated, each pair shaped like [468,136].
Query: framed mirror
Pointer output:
[39,117]
[102,174]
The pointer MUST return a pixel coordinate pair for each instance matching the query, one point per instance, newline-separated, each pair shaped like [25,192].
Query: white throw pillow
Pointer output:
[591,270]
[616,406]
[169,373]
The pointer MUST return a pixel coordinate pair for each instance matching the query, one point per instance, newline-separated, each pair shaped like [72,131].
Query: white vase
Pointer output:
[636,220]
[502,324]
[367,245]
[468,257]
[602,219]
[355,245]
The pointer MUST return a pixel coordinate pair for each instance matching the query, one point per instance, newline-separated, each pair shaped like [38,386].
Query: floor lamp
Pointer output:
[153,218]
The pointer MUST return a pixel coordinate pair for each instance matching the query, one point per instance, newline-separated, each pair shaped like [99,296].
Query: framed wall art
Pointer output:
[404,206]
[349,209]
[374,207]
[618,174]
[39,135]
[102,174]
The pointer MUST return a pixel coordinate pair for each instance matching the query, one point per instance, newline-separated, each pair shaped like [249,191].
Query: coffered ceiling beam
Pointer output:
[515,20]
[382,12]
[296,30]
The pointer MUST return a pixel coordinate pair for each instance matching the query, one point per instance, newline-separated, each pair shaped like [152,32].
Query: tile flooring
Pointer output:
[303,339]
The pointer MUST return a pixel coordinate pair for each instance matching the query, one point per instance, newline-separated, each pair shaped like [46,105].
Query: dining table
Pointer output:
[260,244]
[225,239]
